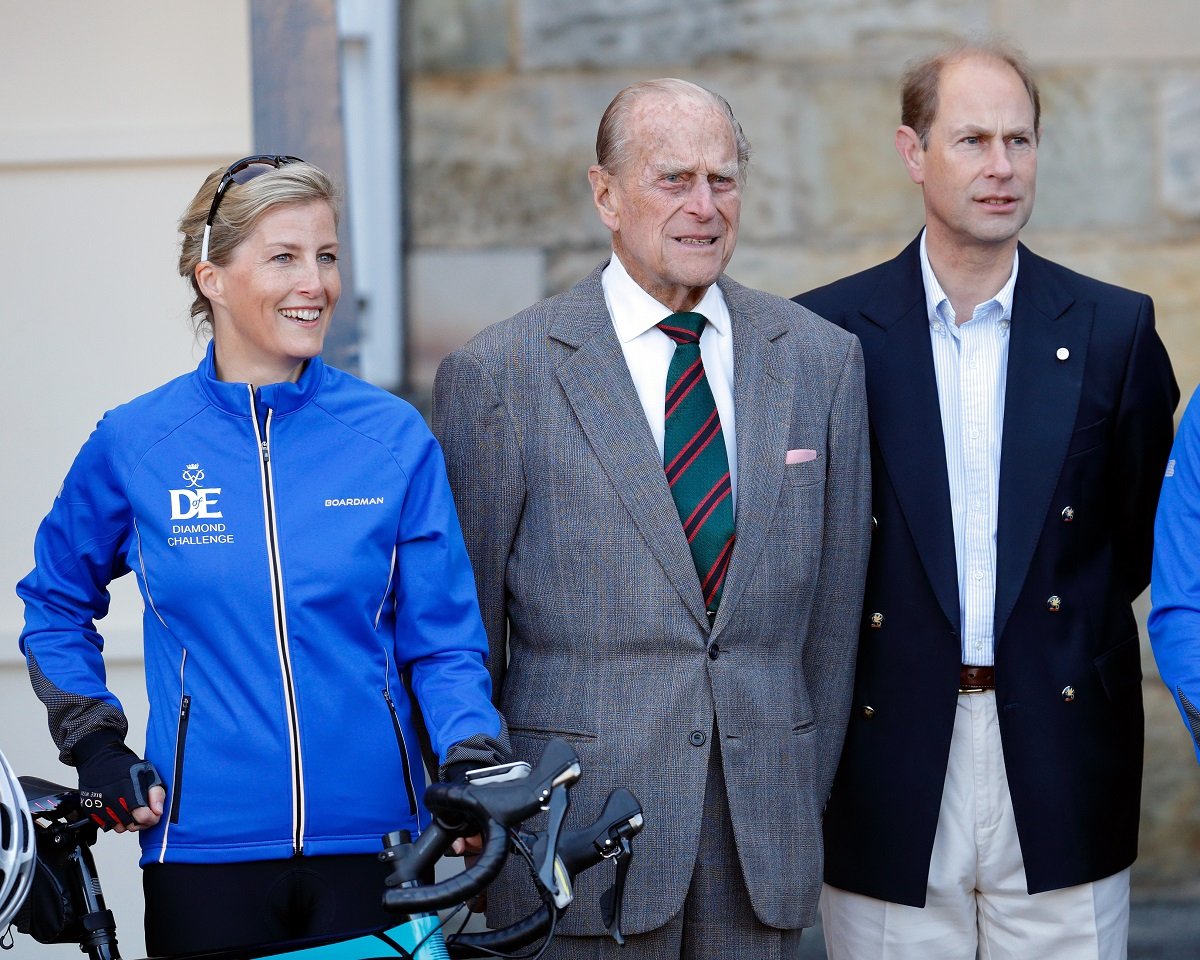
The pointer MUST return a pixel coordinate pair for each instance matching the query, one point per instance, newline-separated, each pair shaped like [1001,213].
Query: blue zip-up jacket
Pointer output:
[1174,622]
[299,555]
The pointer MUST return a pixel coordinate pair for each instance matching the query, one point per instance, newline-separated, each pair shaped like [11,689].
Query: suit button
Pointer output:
[697,738]
[867,712]
[1068,514]
[1054,603]
[1068,693]
[876,621]
[714,651]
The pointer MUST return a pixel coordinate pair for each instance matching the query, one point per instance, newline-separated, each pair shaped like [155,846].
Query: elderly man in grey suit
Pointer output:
[662,477]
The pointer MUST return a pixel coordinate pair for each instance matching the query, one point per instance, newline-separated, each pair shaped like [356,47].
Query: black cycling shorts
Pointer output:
[193,907]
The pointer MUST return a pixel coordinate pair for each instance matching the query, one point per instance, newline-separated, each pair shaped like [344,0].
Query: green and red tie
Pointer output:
[695,459]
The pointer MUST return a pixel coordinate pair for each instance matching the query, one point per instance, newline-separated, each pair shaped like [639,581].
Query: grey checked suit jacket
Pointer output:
[593,607]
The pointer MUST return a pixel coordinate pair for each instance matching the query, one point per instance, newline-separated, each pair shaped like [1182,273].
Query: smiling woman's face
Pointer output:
[272,302]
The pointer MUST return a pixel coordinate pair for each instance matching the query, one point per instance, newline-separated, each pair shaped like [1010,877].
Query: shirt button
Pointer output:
[868,713]
[1068,693]
[1054,603]
[1068,514]
[698,738]
[876,621]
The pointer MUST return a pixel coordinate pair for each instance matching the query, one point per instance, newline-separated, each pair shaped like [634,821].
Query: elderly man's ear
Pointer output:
[604,196]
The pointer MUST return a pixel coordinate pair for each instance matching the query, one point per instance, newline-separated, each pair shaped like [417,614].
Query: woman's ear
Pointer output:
[209,279]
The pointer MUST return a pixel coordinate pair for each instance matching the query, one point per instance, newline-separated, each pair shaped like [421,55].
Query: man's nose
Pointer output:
[999,162]
[700,203]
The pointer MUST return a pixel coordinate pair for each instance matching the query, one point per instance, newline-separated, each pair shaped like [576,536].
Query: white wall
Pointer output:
[112,116]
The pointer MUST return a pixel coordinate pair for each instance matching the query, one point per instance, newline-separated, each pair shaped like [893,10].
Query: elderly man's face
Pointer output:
[673,206]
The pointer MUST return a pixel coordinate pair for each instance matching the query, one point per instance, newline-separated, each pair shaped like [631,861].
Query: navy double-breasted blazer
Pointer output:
[1087,431]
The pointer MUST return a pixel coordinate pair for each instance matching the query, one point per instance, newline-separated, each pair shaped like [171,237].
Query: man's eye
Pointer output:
[971,141]
[327,257]
[282,258]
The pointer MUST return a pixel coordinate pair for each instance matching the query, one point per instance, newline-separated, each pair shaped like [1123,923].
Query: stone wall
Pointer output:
[504,97]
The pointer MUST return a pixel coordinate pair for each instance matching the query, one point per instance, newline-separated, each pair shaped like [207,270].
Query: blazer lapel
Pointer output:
[600,391]
[762,394]
[1040,405]
[906,418]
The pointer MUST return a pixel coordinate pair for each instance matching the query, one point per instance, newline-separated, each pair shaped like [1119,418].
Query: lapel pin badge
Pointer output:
[1062,353]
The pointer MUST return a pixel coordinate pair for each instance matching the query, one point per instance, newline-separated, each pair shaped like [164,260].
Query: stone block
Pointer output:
[1179,134]
[1113,32]
[616,33]
[1096,167]
[502,161]
[457,35]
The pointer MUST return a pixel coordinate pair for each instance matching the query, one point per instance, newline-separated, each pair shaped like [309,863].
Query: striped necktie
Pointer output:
[695,459]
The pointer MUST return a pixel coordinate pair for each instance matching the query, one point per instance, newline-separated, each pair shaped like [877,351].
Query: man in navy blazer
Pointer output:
[987,798]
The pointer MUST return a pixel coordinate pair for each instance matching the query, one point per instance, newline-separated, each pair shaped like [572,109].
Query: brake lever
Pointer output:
[613,899]
[551,874]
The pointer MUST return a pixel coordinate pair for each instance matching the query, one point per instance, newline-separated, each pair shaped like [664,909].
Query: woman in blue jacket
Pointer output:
[305,583]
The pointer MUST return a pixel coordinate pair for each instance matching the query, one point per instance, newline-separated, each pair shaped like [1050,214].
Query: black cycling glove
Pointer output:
[113,780]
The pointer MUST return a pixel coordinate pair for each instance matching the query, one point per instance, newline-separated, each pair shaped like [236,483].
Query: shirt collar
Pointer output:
[937,304]
[634,311]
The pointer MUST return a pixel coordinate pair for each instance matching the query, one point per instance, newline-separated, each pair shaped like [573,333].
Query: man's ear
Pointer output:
[604,197]
[908,145]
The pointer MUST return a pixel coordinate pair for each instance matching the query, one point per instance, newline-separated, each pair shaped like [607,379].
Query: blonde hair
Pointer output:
[242,206]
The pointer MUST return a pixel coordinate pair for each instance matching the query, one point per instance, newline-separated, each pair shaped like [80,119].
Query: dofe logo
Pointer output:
[195,501]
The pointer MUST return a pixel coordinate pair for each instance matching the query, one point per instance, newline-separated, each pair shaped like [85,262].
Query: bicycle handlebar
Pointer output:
[606,838]
[491,808]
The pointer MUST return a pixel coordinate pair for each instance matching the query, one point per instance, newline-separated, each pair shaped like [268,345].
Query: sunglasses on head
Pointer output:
[245,169]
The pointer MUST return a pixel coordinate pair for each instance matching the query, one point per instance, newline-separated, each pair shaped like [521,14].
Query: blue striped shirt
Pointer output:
[970,361]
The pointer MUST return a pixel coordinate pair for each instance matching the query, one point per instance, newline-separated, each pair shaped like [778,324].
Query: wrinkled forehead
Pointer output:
[672,131]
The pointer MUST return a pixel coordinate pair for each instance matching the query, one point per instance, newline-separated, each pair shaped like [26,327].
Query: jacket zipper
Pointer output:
[263,436]
[185,710]
[409,790]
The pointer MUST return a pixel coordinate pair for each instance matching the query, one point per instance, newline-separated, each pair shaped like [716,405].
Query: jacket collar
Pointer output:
[281,398]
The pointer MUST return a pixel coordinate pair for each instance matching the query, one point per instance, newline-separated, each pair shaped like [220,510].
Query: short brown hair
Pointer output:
[919,86]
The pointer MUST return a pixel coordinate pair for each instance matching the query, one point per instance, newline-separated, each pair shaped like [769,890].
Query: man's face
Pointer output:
[979,168]
[673,205]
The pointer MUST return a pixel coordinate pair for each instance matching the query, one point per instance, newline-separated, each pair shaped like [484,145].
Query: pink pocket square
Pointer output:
[800,456]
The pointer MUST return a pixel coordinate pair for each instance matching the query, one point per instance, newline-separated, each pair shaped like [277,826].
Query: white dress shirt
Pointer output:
[648,351]
[970,361]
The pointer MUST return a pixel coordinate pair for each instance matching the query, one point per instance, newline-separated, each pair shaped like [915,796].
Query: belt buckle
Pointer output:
[972,689]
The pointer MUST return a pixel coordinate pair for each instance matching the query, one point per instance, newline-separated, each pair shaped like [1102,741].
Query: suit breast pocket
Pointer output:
[1088,438]
[806,472]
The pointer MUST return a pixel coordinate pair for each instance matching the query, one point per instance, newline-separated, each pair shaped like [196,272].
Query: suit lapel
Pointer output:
[906,419]
[600,391]
[1040,405]
[762,394]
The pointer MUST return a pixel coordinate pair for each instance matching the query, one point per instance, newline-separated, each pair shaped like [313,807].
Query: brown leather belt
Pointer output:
[976,679]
